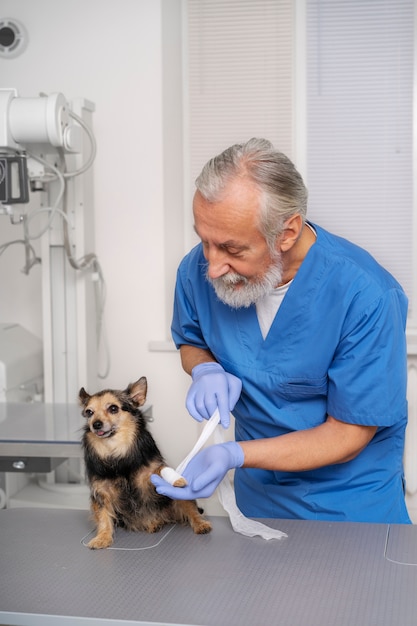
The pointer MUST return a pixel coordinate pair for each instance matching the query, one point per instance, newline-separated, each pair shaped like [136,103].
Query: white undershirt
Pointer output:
[267,307]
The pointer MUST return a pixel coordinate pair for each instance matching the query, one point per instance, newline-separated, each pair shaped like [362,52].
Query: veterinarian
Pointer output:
[301,335]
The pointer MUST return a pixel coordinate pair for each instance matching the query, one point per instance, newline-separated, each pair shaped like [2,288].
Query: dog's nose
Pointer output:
[97,425]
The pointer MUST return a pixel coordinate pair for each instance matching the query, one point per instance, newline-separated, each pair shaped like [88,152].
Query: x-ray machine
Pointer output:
[46,149]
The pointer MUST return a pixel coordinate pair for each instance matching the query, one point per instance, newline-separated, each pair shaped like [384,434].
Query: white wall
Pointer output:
[111,54]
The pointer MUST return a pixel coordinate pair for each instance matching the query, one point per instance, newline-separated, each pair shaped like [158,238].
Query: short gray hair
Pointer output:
[283,190]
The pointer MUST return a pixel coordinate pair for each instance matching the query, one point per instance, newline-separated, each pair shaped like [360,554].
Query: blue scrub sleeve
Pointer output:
[185,326]
[368,375]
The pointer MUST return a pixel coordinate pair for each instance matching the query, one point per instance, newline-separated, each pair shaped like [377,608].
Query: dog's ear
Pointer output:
[137,391]
[83,396]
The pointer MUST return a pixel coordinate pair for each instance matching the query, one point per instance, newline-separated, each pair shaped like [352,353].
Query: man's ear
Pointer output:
[291,233]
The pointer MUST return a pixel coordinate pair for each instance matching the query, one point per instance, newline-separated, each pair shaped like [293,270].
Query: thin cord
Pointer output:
[29,250]
[386,551]
[54,209]
[155,545]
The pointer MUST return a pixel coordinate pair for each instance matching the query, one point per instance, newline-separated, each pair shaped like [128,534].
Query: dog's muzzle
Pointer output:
[98,430]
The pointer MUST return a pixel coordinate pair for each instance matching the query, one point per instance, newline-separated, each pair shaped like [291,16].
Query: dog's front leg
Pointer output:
[104,526]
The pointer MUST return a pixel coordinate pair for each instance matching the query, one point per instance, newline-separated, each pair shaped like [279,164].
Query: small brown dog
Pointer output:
[120,456]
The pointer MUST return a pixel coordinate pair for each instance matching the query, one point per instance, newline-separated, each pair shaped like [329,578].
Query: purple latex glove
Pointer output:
[212,388]
[204,472]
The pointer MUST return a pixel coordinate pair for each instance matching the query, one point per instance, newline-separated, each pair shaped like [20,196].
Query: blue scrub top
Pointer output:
[336,347]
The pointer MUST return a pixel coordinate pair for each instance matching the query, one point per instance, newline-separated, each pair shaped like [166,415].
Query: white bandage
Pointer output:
[225,491]
[171,476]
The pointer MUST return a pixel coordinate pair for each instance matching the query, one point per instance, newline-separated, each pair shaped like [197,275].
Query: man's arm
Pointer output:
[192,356]
[329,443]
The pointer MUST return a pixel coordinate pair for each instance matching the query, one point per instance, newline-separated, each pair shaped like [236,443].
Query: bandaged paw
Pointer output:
[173,477]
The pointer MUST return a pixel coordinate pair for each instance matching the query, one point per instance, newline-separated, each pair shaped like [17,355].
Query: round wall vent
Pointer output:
[13,37]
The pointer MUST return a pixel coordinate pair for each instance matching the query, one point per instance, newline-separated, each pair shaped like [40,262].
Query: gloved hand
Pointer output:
[212,388]
[204,472]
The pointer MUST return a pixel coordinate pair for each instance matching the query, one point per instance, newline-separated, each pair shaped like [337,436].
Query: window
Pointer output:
[330,83]
[240,59]
[360,128]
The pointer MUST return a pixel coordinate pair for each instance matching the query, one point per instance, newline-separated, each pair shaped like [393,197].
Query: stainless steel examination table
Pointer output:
[37,437]
[324,573]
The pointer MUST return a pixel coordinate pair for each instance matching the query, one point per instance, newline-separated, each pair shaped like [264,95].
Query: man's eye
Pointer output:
[113,409]
[235,253]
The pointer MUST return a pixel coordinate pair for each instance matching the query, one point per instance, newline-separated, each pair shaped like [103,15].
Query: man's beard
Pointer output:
[249,291]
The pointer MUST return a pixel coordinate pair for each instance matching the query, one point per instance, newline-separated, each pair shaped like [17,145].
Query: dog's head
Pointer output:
[109,411]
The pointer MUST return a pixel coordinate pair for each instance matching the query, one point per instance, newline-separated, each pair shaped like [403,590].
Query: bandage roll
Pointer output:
[225,491]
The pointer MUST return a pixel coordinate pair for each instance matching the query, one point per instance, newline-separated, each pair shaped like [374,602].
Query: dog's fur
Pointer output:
[120,456]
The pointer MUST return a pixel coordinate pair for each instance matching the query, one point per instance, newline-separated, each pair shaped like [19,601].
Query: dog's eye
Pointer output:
[88,412]
[113,409]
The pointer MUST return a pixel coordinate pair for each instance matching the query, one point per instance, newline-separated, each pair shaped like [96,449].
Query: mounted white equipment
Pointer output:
[46,150]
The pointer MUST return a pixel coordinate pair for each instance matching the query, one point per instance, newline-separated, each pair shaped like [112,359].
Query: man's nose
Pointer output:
[217,263]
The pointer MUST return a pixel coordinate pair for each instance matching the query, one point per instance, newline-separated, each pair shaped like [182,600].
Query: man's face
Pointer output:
[240,266]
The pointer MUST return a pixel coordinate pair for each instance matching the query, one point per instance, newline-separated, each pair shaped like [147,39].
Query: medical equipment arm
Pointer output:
[47,149]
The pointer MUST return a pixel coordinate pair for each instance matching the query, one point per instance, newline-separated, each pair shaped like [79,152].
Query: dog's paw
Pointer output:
[172,477]
[153,526]
[202,527]
[180,482]
[100,542]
